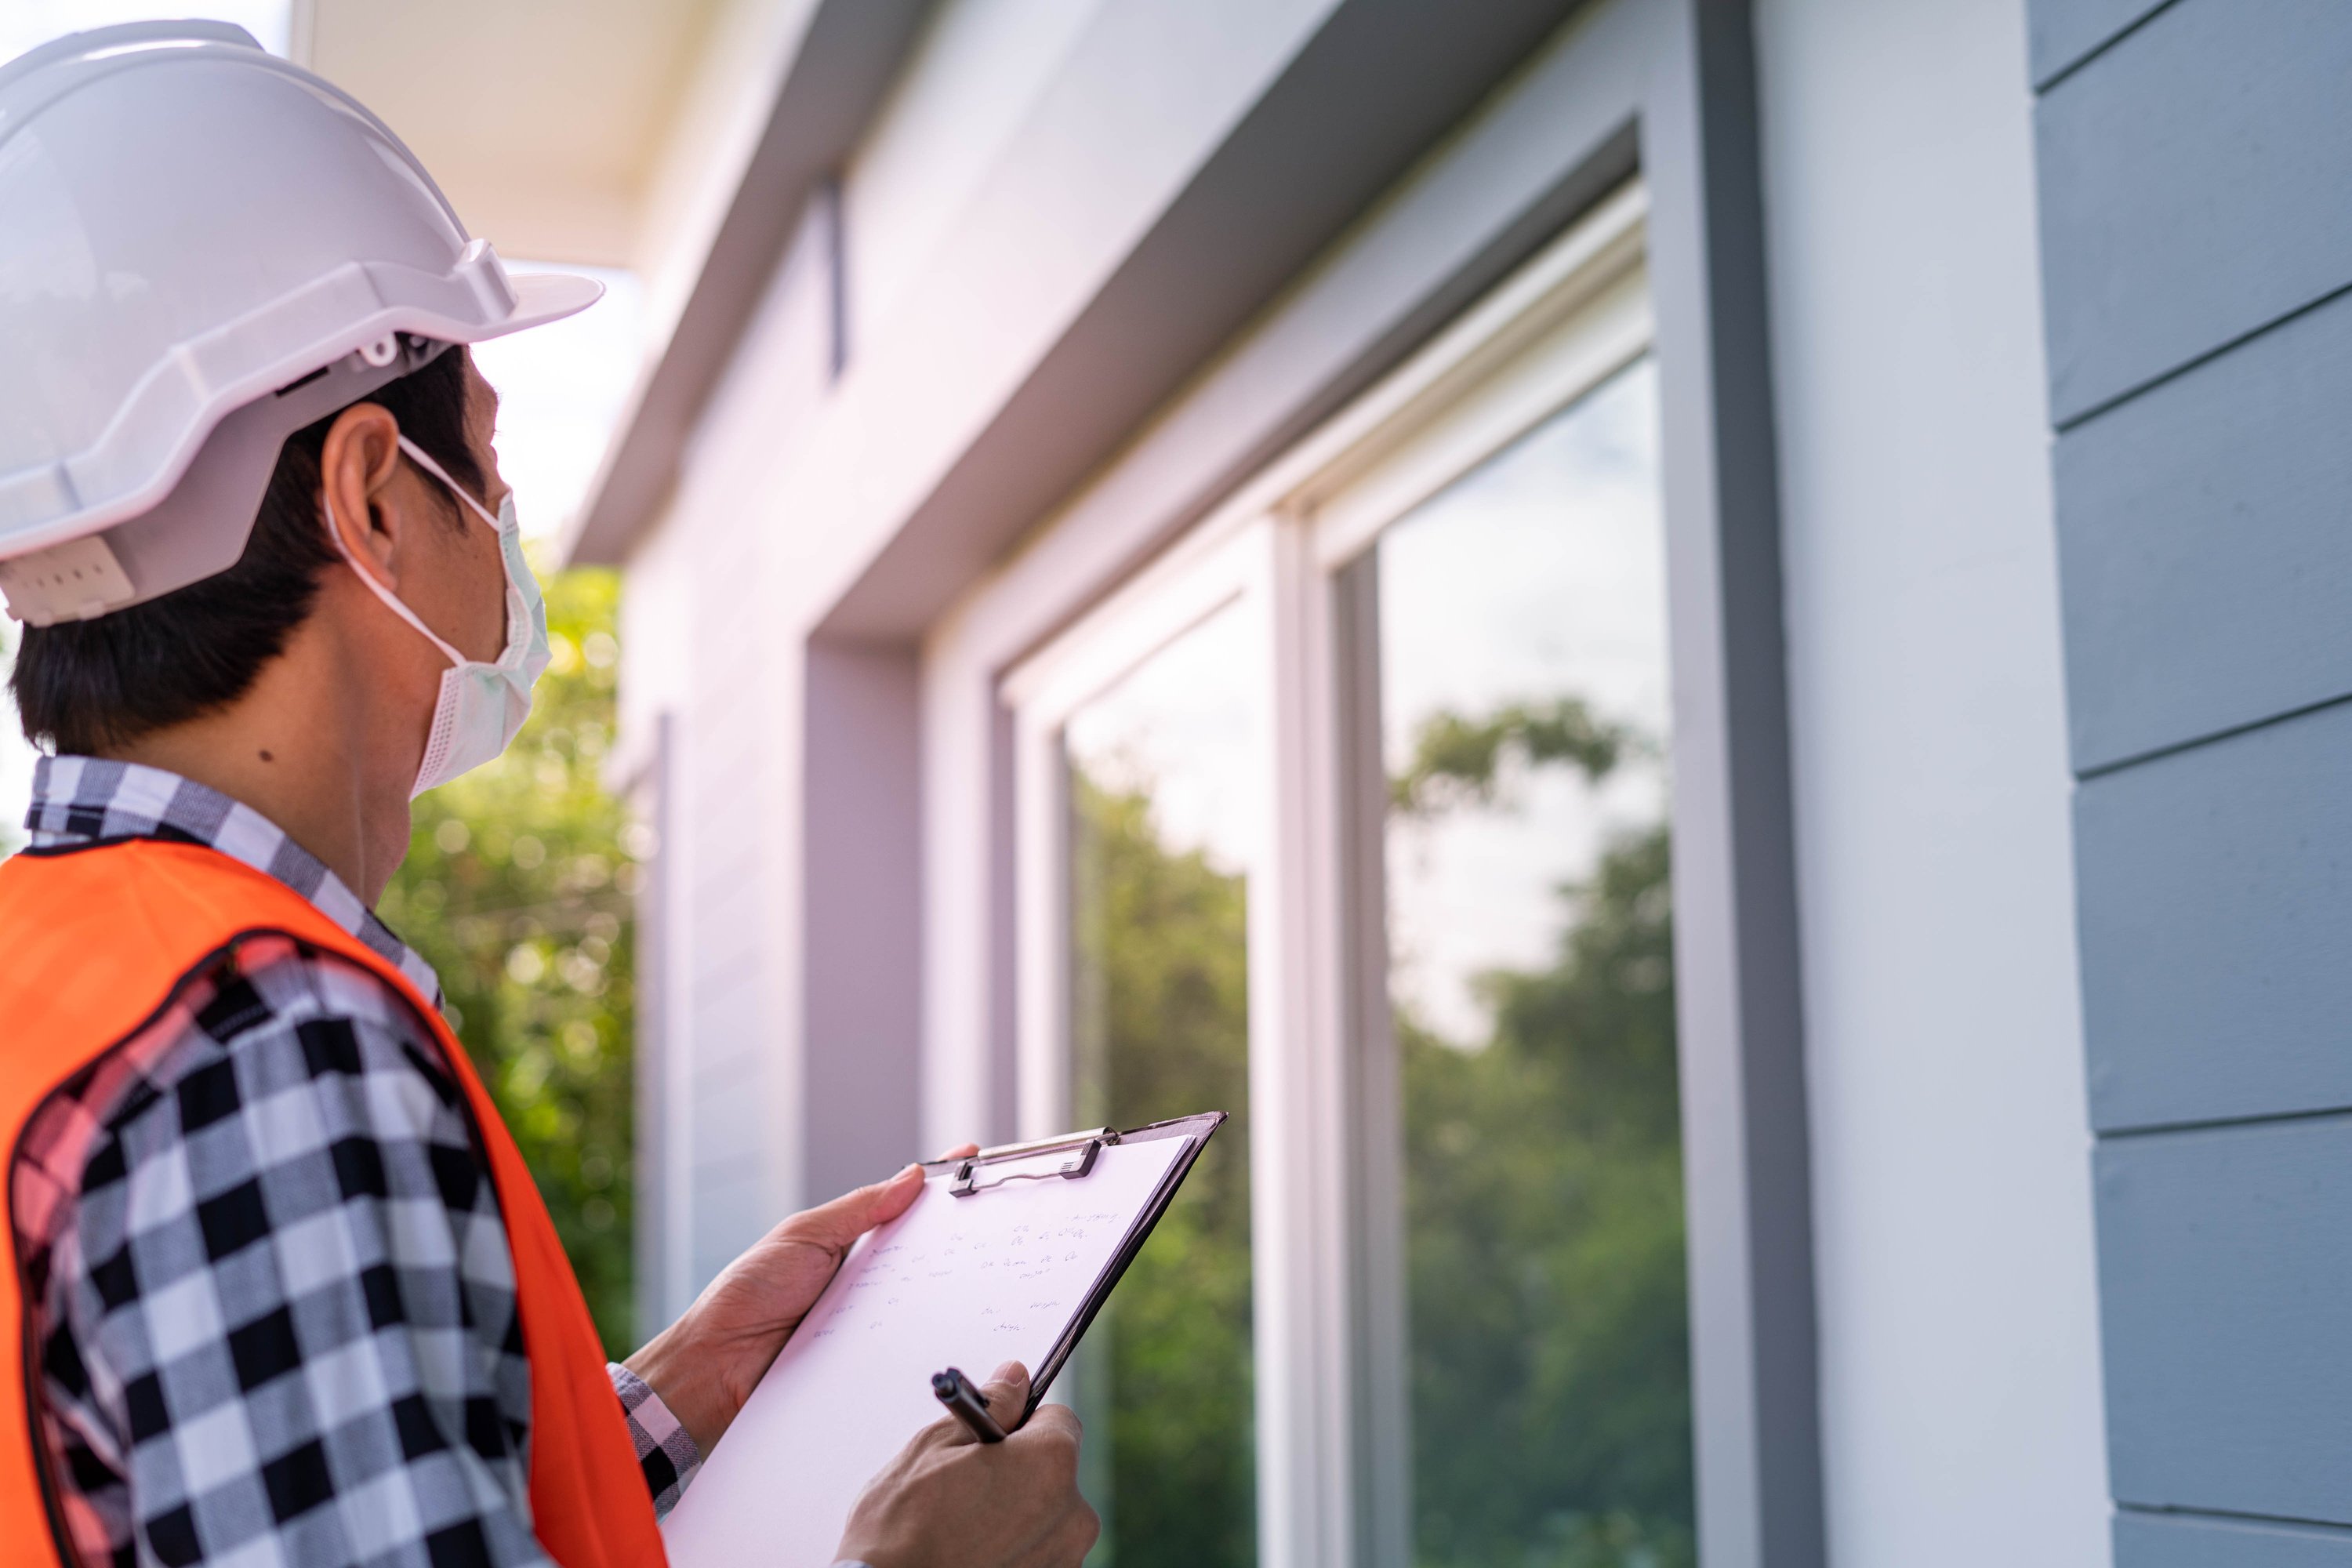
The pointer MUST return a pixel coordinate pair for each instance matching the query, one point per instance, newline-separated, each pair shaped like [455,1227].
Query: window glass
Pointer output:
[1524,714]
[1160,831]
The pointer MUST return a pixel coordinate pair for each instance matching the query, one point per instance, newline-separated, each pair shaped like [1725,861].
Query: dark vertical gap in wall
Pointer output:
[862,1007]
[1003,1057]
[832,213]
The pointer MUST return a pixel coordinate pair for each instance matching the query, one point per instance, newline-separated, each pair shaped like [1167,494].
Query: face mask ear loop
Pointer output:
[416,454]
[515,615]
[391,599]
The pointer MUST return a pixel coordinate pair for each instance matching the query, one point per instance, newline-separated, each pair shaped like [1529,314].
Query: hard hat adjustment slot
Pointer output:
[78,580]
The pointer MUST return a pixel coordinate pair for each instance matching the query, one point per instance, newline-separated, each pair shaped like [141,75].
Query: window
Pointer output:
[1139,757]
[1348,814]
[1521,658]
[1158,778]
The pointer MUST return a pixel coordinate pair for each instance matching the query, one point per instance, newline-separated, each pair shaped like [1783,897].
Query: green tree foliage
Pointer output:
[517,889]
[1160,1015]
[1459,763]
[1550,1375]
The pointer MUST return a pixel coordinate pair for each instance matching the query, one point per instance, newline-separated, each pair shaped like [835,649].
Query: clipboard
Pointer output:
[972,1180]
[1010,1254]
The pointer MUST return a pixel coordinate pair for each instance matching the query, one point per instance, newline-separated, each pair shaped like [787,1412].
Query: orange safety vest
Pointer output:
[93,943]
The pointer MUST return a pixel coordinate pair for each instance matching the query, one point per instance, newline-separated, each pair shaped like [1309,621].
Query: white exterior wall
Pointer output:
[1960,1402]
[702,648]
[655,626]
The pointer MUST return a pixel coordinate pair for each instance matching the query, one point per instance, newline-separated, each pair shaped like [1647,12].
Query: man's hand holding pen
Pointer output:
[1011,1504]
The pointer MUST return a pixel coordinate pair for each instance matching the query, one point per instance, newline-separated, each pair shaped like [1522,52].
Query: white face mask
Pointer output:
[482,705]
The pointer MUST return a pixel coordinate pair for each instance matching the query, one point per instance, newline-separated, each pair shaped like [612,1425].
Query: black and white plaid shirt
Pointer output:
[262,1254]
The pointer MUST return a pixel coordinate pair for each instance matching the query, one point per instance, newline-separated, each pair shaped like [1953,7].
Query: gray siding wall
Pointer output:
[2196,188]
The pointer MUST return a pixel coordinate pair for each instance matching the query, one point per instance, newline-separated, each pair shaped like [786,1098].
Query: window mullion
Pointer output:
[1302,1209]
[1373,1113]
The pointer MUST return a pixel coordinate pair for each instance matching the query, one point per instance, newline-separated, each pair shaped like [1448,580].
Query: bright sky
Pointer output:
[561,386]
[1540,575]
[26,23]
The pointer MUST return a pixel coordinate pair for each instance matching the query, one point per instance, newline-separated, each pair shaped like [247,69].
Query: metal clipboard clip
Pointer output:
[1089,1144]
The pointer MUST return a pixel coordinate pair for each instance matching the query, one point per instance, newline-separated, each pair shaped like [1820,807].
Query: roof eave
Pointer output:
[846,58]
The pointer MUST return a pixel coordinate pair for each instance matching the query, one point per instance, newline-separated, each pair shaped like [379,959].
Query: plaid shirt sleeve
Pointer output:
[275,1300]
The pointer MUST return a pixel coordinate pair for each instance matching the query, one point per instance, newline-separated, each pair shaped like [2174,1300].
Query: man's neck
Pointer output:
[297,749]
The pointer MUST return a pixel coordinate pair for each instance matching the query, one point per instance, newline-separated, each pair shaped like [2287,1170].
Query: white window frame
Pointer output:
[1333,1444]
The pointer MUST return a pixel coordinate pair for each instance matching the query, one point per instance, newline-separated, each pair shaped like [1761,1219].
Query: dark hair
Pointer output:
[81,685]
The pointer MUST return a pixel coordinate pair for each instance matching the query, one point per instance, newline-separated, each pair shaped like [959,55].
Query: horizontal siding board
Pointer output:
[2192,187]
[2177,1540]
[2214,890]
[2206,565]
[2225,1267]
[2059,32]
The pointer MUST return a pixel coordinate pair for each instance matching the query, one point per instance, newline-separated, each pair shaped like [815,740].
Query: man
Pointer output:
[286,1293]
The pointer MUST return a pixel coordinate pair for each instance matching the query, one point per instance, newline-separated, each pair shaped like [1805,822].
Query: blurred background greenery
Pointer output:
[518,890]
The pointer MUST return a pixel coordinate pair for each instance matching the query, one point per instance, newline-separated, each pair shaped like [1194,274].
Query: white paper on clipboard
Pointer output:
[970,1282]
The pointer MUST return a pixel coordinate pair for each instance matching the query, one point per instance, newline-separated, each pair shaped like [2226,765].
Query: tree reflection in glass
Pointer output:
[1160,1029]
[1524,718]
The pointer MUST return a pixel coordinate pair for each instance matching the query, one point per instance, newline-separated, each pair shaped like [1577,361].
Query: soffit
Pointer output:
[545,120]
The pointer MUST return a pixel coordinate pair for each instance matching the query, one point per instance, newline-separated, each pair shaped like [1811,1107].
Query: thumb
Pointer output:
[1007,1392]
[844,1219]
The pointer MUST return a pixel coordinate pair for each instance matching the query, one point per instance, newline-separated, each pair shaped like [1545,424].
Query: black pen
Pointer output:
[969,1404]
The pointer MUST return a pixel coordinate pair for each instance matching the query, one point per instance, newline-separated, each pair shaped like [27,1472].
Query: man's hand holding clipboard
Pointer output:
[1003,1257]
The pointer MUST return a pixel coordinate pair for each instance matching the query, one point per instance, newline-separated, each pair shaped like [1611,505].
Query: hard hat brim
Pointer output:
[543,297]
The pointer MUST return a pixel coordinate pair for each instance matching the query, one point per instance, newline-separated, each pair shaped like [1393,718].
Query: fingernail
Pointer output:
[902,1175]
[1004,1374]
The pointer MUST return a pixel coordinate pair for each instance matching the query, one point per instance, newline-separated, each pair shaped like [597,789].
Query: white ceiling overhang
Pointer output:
[546,122]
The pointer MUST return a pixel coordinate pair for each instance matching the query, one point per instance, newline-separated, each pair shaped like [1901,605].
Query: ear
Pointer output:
[359,499]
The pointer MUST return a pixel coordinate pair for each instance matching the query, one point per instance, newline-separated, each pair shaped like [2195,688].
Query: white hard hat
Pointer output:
[202,249]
